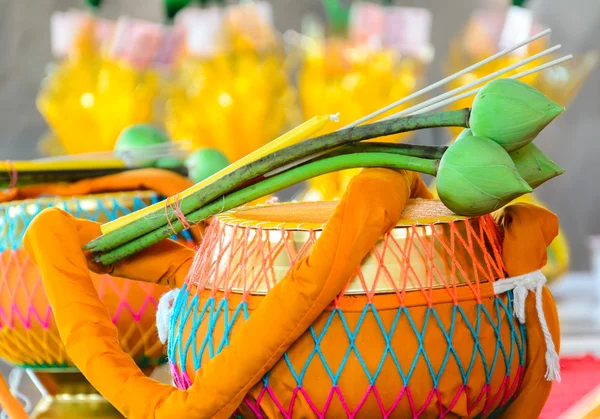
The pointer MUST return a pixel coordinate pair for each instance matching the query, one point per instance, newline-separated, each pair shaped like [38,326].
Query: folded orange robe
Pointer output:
[371,205]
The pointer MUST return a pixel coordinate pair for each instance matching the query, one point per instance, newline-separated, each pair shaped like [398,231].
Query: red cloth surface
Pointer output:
[580,376]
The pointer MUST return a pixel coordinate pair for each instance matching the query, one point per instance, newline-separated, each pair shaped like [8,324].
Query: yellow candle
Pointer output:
[296,135]
[61,165]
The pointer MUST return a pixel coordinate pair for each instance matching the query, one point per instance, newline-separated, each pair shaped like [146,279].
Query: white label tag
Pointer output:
[170,46]
[145,41]
[517,28]
[66,26]
[202,30]
[254,21]
[407,29]
[482,32]
[366,23]
[265,10]
[62,32]
[123,29]
[104,31]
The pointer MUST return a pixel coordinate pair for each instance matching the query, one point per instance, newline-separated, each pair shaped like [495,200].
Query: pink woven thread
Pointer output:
[175,209]
[485,396]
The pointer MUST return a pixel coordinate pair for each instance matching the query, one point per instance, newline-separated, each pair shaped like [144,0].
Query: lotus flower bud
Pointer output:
[477,176]
[511,113]
[534,166]
[465,132]
[205,162]
[139,136]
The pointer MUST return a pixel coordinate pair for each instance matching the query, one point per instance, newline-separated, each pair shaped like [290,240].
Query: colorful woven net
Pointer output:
[28,333]
[418,332]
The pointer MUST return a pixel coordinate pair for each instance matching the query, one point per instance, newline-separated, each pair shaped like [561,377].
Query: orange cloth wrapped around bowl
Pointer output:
[278,322]
[29,337]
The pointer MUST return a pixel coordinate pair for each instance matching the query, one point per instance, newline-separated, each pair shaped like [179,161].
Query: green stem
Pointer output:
[36,177]
[413,150]
[271,185]
[278,159]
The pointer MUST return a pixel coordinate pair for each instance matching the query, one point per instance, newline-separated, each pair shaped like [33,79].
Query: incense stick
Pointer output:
[491,76]
[170,149]
[522,74]
[448,79]
[413,110]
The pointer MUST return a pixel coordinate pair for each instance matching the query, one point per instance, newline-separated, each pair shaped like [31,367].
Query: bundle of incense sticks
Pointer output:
[293,158]
[490,29]
[23,173]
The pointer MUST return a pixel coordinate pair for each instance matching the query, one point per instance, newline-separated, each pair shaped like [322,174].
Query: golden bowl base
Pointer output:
[75,406]
[70,395]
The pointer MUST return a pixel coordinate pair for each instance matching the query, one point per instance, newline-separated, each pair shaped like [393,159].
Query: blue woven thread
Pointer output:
[476,347]
[177,304]
[388,348]
[502,317]
[25,212]
[177,350]
[451,350]
[316,351]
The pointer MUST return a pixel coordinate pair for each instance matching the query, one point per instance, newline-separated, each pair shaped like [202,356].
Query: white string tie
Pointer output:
[521,285]
[164,313]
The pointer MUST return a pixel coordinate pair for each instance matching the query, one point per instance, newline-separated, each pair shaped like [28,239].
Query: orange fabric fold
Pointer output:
[290,307]
[9,403]
[165,263]
[528,231]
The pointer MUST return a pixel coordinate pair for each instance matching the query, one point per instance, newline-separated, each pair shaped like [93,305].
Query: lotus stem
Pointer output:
[271,185]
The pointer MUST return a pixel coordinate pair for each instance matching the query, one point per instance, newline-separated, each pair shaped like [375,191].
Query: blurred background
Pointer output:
[572,140]
[300,71]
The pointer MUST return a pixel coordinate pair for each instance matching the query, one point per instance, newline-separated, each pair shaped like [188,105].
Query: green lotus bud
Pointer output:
[205,162]
[511,113]
[534,166]
[168,163]
[476,176]
[465,132]
[139,136]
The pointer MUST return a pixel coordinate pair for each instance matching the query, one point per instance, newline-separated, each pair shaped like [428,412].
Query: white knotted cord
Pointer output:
[521,285]
[164,312]
[14,382]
